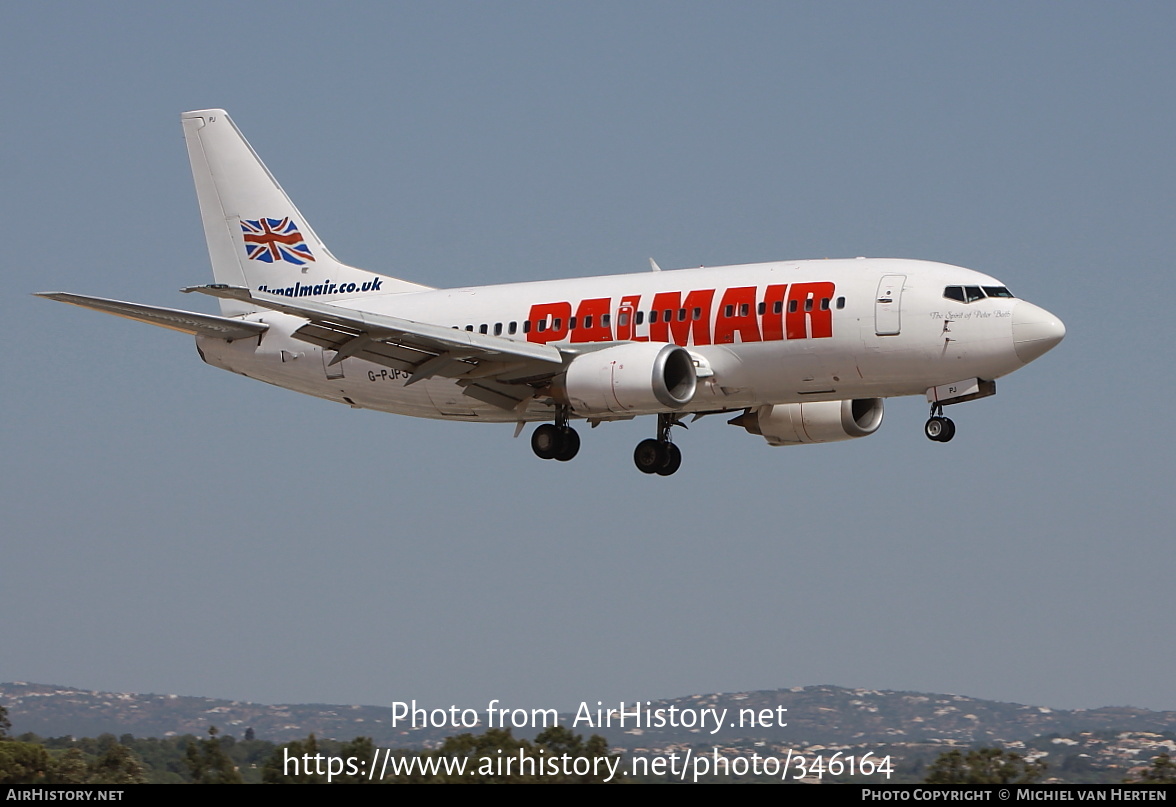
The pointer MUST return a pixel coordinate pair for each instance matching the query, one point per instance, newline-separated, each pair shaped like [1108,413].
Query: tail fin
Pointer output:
[256,237]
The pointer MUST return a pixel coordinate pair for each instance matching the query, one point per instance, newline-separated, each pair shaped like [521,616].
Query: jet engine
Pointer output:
[636,377]
[813,421]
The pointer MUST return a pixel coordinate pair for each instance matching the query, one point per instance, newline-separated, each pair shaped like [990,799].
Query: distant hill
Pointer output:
[814,715]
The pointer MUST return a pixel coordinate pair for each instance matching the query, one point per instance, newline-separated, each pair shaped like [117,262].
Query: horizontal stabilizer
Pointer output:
[175,319]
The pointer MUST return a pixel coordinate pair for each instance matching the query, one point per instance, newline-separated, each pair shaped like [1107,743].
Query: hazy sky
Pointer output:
[169,527]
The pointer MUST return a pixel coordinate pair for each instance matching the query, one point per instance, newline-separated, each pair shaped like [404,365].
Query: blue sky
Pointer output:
[173,528]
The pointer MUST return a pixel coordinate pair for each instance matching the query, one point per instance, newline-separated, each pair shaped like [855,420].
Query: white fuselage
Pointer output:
[801,351]
[767,333]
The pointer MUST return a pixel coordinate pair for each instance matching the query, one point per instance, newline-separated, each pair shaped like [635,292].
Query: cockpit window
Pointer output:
[998,291]
[970,294]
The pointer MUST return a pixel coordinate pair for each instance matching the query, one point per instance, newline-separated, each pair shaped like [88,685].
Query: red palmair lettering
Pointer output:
[799,311]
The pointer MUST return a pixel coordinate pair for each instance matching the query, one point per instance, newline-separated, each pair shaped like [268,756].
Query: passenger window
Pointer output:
[526,326]
[681,315]
[512,328]
[743,310]
[481,329]
[652,317]
[622,319]
[808,304]
[498,329]
[840,303]
[792,306]
[470,328]
[604,320]
[541,325]
[778,307]
[729,311]
[824,303]
[558,323]
[640,316]
[587,320]
[697,314]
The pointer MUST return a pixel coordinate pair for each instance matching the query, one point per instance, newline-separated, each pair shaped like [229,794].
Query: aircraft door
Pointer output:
[627,319]
[887,305]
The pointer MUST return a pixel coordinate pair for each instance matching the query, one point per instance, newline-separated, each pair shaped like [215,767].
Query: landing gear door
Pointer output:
[332,370]
[887,304]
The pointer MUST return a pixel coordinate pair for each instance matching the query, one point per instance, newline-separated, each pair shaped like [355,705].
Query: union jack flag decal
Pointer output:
[273,240]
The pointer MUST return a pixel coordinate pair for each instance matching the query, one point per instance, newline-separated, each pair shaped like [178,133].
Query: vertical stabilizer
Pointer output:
[256,236]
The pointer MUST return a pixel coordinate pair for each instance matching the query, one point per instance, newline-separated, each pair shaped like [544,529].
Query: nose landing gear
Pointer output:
[937,427]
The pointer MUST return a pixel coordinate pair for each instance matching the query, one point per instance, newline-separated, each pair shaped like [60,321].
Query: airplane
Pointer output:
[797,352]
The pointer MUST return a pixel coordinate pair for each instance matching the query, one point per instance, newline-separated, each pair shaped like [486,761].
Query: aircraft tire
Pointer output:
[569,444]
[939,429]
[948,430]
[933,428]
[673,459]
[545,441]
[649,456]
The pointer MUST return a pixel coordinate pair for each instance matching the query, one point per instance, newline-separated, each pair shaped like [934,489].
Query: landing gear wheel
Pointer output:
[933,428]
[673,459]
[939,429]
[948,430]
[551,442]
[545,441]
[569,444]
[656,457]
[649,456]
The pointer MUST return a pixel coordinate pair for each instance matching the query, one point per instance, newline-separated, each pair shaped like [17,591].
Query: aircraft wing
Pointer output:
[184,321]
[492,369]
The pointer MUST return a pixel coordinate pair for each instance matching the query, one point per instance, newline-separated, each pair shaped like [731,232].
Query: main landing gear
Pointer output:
[557,441]
[939,428]
[659,456]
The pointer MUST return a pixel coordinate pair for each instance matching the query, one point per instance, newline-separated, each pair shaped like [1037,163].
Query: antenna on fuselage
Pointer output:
[653,267]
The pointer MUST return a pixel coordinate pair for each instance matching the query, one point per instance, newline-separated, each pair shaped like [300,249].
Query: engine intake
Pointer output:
[813,421]
[633,378]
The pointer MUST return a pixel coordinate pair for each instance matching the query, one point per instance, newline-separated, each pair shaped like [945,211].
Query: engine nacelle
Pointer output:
[813,421]
[637,378]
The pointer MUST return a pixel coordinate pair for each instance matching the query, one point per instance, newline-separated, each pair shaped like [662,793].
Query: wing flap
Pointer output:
[500,395]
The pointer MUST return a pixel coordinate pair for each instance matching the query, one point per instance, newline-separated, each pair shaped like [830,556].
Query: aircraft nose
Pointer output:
[1035,331]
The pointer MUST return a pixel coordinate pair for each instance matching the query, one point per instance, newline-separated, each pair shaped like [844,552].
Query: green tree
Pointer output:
[984,766]
[24,763]
[119,766]
[208,764]
[5,723]
[71,768]
[1161,772]
[295,763]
